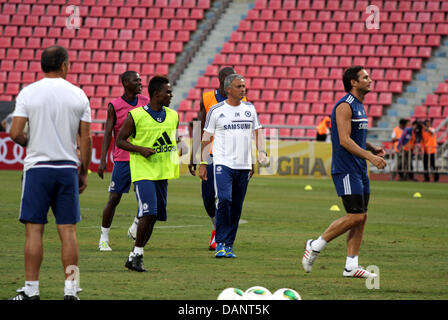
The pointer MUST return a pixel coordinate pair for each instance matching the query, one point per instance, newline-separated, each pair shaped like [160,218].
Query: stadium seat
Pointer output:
[435,111]
[420,112]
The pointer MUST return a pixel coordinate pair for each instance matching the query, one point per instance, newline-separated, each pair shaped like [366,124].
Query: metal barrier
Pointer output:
[406,164]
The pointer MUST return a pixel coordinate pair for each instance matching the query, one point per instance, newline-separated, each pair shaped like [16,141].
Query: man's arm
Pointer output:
[17,133]
[205,148]
[344,122]
[260,143]
[379,151]
[122,142]
[110,122]
[201,116]
[85,148]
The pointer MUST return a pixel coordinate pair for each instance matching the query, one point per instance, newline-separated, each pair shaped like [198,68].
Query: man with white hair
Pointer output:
[231,123]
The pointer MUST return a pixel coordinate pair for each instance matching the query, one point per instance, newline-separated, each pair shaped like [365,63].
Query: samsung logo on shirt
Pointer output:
[238,126]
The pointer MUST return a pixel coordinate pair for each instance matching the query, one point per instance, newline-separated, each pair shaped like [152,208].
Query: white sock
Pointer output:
[31,288]
[319,244]
[104,234]
[351,262]
[70,287]
[213,222]
[138,250]
[134,225]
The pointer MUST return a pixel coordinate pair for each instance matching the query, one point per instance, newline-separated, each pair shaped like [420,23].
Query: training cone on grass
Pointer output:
[417,195]
[308,187]
[334,208]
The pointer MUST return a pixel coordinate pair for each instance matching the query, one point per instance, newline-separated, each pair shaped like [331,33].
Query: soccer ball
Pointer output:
[286,294]
[258,293]
[231,294]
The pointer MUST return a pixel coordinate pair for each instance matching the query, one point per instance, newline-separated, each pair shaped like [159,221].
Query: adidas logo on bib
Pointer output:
[164,144]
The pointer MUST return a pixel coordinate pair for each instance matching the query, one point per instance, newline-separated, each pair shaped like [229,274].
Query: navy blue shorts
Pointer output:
[151,197]
[121,177]
[52,184]
[351,183]
[354,189]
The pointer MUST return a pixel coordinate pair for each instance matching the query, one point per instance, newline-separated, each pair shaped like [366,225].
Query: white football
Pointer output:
[231,294]
[286,294]
[258,293]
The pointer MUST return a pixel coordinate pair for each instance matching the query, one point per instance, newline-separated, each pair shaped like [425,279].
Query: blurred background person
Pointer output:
[429,141]
[323,129]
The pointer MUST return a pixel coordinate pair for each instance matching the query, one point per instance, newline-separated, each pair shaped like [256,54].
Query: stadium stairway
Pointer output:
[425,82]
[220,34]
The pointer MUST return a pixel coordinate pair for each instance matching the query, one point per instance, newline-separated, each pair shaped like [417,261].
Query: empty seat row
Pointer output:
[55,7]
[341,16]
[317,61]
[38,12]
[126,30]
[385,5]
[326,49]
[259,18]
[111,43]
[430,112]
[346,38]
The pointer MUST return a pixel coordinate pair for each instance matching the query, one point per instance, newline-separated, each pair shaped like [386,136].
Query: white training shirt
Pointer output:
[232,127]
[54,107]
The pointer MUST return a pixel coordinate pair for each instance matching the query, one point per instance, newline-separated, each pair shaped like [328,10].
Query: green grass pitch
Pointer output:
[405,237]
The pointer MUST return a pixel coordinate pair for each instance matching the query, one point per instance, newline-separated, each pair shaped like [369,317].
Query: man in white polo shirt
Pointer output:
[56,112]
[232,123]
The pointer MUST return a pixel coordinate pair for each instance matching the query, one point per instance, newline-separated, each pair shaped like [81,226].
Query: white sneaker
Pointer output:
[358,272]
[104,246]
[309,256]
[132,232]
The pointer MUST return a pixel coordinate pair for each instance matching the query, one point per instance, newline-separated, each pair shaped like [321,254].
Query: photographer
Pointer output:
[409,138]
[429,140]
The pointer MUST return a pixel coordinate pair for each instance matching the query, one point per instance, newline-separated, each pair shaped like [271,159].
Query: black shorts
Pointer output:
[356,203]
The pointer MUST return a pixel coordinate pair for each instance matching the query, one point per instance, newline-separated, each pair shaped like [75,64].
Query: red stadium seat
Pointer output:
[435,111]
[307,120]
[420,112]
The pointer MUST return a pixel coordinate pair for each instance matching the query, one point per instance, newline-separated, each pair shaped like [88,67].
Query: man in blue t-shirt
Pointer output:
[349,172]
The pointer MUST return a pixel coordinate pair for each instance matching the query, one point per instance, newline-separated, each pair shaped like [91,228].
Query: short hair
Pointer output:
[349,75]
[225,72]
[52,58]
[229,79]
[403,122]
[126,76]
[156,83]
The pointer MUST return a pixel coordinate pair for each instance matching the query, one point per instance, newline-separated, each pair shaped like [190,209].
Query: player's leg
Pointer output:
[66,209]
[208,199]
[108,215]
[33,257]
[223,189]
[146,194]
[239,188]
[69,257]
[119,184]
[161,187]
[347,185]
[37,188]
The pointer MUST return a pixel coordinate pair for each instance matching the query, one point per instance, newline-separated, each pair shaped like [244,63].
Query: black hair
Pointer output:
[126,75]
[224,72]
[52,58]
[349,75]
[156,83]
[403,122]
